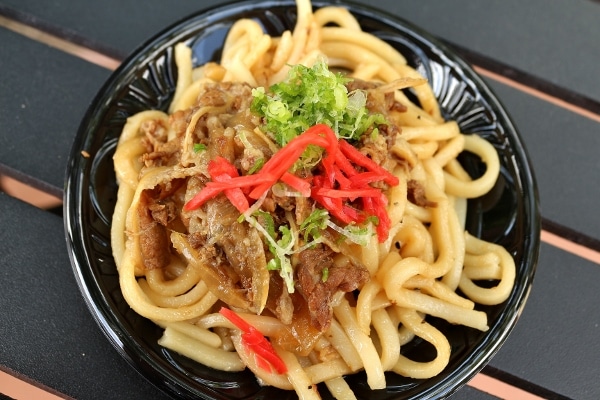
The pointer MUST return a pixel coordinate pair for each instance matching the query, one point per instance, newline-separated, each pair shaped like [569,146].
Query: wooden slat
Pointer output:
[39,35]
[555,342]
[45,93]
[563,146]
[48,334]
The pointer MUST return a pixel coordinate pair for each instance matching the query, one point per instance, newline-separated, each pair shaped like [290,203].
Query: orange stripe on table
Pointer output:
[38,35]
[22,389]
[500,389]
[571,247]
[538,93]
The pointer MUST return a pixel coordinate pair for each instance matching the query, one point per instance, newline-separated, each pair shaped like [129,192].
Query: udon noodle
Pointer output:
[351,295]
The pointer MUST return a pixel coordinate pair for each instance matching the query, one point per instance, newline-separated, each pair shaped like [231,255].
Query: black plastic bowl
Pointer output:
[146,80]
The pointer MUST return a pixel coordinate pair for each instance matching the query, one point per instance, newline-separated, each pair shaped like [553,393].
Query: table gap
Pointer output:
[532,85]
[66,42]
[526,386]
[30,194]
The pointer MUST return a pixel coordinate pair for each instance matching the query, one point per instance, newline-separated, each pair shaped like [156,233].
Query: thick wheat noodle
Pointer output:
[283,49]
[135,296]
[365,71]
[476,188]
[118,235]
[444,131]
[338,16]
[363,345]
[297,375]
[180,285]
[185,299]
[194,331]
[343,344]
[438,289]
[385,328]
[452,278]
[328,370]
[482,267]
[208,355]
[414,273]
[505,264]
[421,370]
[450,150]
[365,41]
[364,304]
[184,72]
[339,388]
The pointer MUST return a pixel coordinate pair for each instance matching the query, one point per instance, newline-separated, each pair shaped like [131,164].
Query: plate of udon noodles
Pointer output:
[301,201]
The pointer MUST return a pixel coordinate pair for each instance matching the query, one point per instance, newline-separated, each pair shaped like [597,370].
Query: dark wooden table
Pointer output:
[542,59]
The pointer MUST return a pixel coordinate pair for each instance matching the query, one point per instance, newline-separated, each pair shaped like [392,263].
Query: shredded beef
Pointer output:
[153,238]
[318,291]
[240,244]
[156,209]
[416,194]
[378,101]
[279,301]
